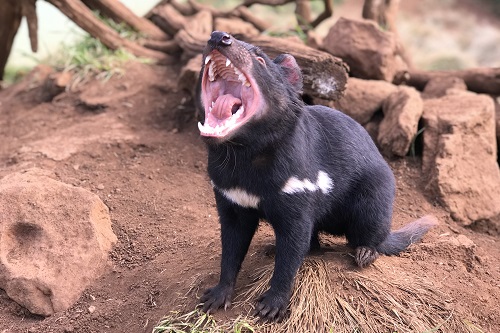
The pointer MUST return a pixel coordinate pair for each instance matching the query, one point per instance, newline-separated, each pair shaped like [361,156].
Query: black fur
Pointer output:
[292,139]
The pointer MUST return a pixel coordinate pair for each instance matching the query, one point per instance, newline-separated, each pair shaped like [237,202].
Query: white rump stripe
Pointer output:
[241,197]
[294,185]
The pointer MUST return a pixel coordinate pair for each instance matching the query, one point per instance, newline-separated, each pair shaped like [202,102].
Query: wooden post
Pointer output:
[10,16]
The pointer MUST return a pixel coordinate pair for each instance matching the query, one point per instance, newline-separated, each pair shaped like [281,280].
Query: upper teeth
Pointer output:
[212,71]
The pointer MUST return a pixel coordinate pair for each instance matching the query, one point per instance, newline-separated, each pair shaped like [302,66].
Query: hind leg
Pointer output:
[314,244]
[365,256]
[369,221]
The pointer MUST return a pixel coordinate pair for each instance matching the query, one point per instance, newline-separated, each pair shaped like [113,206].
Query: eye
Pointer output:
[261,60]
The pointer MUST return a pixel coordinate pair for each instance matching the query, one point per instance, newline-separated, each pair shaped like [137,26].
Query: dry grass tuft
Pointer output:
[334,300]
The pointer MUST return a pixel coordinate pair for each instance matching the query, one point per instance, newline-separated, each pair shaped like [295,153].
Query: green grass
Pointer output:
[14,73]
[89,57]
[413,150]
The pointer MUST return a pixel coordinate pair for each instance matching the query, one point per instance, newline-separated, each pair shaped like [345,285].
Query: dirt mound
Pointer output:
[141,154]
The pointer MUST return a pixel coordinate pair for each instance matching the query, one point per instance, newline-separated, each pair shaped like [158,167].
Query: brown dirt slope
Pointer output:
[143,157]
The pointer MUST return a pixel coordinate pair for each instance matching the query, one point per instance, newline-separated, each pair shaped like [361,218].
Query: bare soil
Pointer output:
[143,156]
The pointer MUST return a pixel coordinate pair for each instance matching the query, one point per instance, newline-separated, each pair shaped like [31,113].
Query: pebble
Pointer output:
[91,309]
[100,187]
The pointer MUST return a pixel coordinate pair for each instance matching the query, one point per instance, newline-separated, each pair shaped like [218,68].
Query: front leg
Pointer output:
[292,244]
[238,226]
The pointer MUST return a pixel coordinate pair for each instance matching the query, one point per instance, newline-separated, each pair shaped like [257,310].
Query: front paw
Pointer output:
[216,297]
[272,306]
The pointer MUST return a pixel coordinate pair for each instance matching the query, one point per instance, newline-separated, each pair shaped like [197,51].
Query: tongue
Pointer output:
[224,105]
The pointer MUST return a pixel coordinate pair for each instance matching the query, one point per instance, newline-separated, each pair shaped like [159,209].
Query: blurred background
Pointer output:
[444,34]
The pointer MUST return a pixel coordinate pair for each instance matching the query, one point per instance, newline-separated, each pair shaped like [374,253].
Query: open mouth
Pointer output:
[229,95]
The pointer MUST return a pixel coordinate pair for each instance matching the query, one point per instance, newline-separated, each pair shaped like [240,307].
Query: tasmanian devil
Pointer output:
[304,169]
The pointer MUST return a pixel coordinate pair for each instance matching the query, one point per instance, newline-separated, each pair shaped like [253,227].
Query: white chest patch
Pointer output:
[322,183]
[241,197]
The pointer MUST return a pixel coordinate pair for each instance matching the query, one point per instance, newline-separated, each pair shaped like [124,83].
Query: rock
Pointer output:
[55,84]
[54,241]
[35,78]
[362,98]
[235,26]
[460,155]
[465,241]
[439,86]
[370,52]
[402,111]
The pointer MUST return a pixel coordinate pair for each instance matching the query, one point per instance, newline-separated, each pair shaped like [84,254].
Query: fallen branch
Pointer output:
[118,12]
[480,80]
[165,46]
[85,19]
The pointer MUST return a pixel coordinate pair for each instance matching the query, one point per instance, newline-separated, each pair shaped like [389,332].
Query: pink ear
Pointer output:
[292,70]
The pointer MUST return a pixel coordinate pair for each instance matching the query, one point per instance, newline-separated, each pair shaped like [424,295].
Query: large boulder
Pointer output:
[402,111]
[54,241]
[363,98]
[370,52]
[460,155]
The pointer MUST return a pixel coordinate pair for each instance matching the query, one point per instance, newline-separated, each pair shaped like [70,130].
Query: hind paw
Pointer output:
[365,256]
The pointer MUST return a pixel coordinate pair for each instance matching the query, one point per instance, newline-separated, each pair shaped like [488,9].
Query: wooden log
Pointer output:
[168,19]
[193,38]
[480,80]
[118,12]
[165,46]
[248,16]
[85,19]
[184,8]
[10,16]
[325,76]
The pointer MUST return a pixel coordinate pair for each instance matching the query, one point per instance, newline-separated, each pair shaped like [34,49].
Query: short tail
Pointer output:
[400,239]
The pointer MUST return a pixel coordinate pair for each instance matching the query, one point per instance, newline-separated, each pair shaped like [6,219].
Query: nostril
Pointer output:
[226,40]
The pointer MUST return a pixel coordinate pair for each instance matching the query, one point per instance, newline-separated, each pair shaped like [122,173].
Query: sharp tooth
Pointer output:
[237,71]
[211,71]
[247,84]
[228,62]
[208,58]
[240,111]
[210,109]
[201,127]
